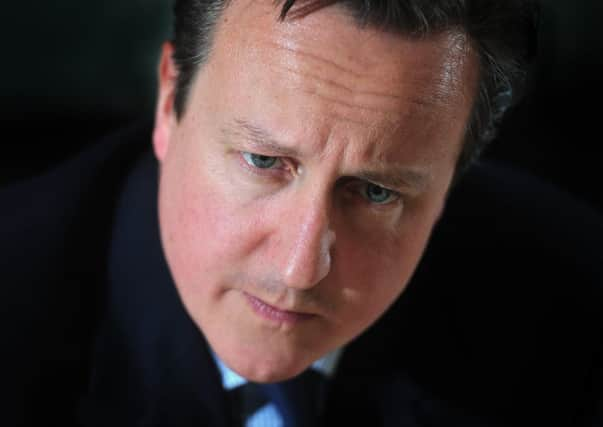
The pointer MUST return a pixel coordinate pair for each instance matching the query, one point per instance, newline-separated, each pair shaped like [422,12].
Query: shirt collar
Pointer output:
[326,365]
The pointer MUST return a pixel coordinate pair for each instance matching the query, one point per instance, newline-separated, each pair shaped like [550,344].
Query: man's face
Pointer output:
[299,189]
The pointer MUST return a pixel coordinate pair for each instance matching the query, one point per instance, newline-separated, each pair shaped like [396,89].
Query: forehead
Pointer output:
[330,41]
[340,79]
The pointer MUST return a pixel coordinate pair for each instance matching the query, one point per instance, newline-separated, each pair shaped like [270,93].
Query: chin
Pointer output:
[267,369]
[269,374]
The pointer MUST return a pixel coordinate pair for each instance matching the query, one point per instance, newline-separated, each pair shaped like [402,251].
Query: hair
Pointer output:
[502,32]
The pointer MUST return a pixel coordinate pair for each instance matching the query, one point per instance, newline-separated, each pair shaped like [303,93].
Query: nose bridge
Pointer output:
[309,239]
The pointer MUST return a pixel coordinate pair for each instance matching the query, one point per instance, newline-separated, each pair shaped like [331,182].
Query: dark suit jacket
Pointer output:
[500,326]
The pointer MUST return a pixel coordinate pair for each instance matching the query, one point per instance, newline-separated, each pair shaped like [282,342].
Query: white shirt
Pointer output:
[268,415]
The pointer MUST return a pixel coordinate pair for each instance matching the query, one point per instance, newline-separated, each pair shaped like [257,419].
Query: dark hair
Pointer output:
[503,33]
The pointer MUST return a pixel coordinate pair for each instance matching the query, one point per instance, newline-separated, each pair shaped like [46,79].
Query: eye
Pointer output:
[379,195]
[261,162]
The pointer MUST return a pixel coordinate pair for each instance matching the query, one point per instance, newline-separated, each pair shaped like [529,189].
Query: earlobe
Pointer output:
[164,113]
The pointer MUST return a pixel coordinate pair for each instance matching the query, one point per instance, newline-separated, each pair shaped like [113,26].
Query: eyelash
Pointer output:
[270,171]
[359,187]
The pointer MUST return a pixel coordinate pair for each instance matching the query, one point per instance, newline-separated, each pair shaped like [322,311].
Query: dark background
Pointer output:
[74,70]
[556,132]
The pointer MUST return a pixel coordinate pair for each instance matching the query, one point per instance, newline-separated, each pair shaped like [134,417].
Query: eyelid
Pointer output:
[385,187]
[282,167]
[245,154]
[358,186]
[394,195]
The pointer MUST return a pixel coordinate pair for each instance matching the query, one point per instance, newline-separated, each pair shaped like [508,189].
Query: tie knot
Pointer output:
[298,400]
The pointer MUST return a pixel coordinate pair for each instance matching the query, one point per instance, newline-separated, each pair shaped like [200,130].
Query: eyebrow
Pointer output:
[396,179]
[262,141]
[258,138]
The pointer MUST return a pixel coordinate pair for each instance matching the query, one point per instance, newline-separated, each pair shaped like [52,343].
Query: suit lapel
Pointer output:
[151,364]
[354,394]
[378,382]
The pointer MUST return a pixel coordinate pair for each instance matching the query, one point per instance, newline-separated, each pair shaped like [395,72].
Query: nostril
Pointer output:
[331,237]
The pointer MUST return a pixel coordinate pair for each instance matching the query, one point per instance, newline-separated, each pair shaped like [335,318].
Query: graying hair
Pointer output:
[503,32]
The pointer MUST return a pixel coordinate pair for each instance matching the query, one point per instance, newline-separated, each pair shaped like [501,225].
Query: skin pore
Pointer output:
[299,188]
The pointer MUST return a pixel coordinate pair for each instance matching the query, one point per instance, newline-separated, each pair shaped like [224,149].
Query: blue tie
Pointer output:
[299,400]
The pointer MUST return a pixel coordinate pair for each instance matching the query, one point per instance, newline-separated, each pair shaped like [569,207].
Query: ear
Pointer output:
[165,116]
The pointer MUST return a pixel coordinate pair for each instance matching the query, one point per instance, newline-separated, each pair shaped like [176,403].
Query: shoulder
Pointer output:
[510,227]
[503,315]
[55,229]
[43,214]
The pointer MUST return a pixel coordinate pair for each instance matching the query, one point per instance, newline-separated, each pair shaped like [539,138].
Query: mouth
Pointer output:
[274,314]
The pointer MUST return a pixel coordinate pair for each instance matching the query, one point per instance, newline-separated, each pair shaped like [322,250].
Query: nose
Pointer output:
[308,241]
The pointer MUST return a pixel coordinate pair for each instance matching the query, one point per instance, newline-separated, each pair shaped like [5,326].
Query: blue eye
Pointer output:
[259,161]
[379,195]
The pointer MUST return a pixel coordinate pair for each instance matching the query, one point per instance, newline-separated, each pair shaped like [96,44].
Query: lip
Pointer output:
[275,314]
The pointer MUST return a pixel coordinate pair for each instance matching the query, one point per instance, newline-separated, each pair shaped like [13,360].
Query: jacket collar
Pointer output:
[151,363]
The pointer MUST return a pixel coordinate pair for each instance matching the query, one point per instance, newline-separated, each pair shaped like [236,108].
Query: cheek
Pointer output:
[373,270]
[200,228]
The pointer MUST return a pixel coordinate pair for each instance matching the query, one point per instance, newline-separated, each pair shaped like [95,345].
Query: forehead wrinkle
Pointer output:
[429,100]
[346,104]
[342,118]
[372,117]
[435,94]
[325,61]
[338,85]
